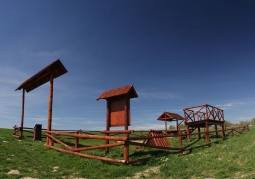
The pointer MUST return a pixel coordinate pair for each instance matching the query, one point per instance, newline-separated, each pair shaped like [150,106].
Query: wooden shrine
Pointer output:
[169,117]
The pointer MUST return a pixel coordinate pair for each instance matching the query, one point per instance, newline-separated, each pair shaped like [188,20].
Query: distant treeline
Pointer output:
[226,124]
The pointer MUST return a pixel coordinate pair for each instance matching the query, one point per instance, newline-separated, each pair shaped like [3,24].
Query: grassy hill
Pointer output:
[232,158]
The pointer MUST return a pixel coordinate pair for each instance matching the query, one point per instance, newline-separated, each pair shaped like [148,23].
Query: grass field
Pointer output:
[232,158]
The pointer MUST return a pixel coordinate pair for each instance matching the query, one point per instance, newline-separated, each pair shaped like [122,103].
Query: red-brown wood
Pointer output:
[50,108]
[86,136]
[22,114]
[88,156]
[76,143]
[98,146]
[108,117]
[203,116]
[162,141]
[118,132]
[48,73]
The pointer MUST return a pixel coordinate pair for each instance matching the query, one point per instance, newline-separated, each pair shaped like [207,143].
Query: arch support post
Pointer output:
[22,114]
[48,140]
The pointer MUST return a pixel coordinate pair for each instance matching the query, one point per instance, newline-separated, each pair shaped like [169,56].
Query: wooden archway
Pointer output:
[47,74]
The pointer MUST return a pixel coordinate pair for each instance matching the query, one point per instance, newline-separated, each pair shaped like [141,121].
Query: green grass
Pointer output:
[232,158]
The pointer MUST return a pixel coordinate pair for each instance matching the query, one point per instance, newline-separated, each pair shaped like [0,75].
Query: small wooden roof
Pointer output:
[167,116]
[43,76]
[125,90]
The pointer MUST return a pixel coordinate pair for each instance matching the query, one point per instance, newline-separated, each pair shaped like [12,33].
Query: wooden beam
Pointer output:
[49,141]
[22,113]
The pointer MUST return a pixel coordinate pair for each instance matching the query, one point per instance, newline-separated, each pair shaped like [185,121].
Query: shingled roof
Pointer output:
[119,92]
[167,116]
[43,76]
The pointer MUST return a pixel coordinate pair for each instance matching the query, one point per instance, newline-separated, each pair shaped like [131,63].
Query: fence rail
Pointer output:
[126,142]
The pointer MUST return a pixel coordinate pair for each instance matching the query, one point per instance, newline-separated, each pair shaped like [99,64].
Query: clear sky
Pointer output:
[177,54]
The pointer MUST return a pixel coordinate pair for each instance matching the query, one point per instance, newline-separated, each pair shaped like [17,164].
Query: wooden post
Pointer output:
[232,131]
[199,134]
[207,116]
[216,129]
[48,140]
[76,144]
[223,132]
[187,126]
[188,133]
[126,145]
[22,114]
[166,126]
[108,116]
[207,133]
[180,137]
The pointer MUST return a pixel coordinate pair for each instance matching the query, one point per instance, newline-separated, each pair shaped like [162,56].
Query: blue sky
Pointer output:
[177,54]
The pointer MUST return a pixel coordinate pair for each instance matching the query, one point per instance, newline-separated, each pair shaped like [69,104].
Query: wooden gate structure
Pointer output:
[47,74]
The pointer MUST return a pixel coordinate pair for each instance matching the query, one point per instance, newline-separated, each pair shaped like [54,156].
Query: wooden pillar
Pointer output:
[177,126]
[48,140]
[232,131]
[207,116]
[76,144]
[126,145]
[216,129]
[108,116]
[166,126]
[188,133]
[22,114]
[180,137]
[199,132]
[207,133]
[223,132]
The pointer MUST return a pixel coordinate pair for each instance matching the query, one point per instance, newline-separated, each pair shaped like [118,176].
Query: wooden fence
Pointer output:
[55,137]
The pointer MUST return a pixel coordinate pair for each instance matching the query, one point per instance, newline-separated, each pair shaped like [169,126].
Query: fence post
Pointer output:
[180,138]
[223,131]
[216,129]
[126,151]
[207,133]
[76,144]
[199,132]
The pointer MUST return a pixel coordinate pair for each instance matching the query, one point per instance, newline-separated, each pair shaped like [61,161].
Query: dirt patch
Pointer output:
[55,168]
[13,172]
[71,177]
[247,175]
[146,173]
